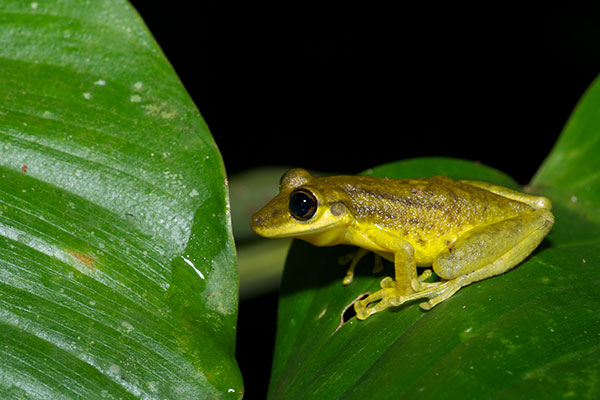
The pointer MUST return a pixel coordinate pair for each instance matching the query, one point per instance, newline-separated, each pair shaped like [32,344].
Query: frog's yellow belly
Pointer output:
[424,255]
[385,243]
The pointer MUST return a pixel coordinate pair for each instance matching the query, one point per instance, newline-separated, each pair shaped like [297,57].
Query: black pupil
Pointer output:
[302,205]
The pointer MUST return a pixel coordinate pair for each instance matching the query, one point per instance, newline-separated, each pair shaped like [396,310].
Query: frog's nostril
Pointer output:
[257,221]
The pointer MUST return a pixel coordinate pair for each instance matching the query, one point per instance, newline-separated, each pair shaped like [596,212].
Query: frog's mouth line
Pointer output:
[296,233]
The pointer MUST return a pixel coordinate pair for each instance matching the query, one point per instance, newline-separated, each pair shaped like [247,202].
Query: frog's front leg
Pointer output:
[405,271]
[354,259]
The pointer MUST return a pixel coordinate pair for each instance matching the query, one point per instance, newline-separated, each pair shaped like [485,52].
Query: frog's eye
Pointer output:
[303,204]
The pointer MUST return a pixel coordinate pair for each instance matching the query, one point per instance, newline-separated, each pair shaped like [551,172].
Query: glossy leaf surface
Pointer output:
[571,173]
[117,266]
[532,332]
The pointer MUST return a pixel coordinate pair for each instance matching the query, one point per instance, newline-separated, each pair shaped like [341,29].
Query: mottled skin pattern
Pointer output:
[465,230]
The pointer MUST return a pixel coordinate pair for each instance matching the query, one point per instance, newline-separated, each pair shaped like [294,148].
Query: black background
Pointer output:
[343,88]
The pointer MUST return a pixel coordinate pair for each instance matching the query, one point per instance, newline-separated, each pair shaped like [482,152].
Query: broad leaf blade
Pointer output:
[117,267]
[527,333]
[571,172]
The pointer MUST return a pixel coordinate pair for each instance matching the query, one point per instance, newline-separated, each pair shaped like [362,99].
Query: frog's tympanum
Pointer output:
[465,230]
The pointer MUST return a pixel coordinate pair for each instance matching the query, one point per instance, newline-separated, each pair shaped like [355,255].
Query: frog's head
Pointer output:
[304,206]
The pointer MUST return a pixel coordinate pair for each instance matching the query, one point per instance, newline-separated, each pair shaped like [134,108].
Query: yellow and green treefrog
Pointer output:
[465,230]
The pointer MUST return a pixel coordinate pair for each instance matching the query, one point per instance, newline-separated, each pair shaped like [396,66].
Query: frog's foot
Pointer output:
[362,309]
[387,282]
[442,291]
[418,284]
[391,297]
[348,278]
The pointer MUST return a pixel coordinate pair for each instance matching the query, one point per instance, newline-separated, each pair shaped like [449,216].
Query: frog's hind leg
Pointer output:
[487,251]
[420,284]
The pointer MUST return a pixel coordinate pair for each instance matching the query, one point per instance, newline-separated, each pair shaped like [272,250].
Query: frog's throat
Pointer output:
[310,232]
[328,235]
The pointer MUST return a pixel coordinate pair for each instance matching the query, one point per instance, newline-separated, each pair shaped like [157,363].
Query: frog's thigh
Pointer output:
[494,249]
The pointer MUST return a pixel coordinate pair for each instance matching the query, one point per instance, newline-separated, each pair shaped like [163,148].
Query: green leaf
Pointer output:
[571,173]
[117,265]
[530,333]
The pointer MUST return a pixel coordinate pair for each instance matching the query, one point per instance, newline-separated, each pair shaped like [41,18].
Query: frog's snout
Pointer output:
[258,221]
[266,222]
[261,222]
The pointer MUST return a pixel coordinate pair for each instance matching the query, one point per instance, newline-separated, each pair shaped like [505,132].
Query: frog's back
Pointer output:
[422,209]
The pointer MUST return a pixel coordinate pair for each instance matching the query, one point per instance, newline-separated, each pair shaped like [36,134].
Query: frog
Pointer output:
[464,231]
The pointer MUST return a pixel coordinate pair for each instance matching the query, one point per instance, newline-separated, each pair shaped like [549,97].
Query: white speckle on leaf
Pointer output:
[135,98]
[100,82]
[92,303]
[138,86]
[114,369]
[128,327]
[222,299]
[574,199]
[87,95]
[160,110]
[152,386]
[194,193]
[168,114]
[34,5]
[47,114]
